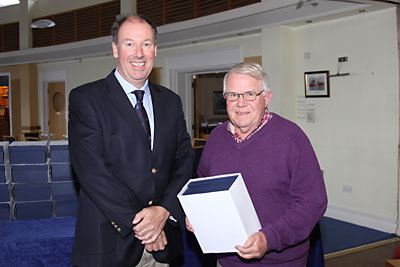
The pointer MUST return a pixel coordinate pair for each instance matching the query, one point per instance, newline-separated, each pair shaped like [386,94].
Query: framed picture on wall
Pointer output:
[219,103]
[316,83]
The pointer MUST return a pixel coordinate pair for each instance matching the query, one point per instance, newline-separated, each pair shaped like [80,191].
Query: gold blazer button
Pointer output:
[150,202]
[154,170]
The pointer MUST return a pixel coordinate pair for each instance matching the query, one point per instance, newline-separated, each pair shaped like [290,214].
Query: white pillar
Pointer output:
[25,19]
[277,60]
[128,6]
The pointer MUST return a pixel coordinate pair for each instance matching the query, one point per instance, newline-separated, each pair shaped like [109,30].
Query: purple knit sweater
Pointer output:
[284,180]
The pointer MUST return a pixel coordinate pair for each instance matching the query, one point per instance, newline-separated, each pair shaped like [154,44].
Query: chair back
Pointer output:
[199,143]
[9,138]
[29,138]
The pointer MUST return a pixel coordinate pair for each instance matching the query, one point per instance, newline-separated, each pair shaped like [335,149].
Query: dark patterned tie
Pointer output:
[141,112]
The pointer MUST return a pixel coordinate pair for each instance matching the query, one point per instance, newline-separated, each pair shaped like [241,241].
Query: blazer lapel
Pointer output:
[158,104]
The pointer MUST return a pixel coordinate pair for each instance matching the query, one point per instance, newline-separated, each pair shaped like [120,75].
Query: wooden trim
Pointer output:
[174,10]
[361,248]
[398,148]
[11,36]
[164,12]
[196,109]
[195,8]
[202,142]
[76,32]
[178,10]
[257,59]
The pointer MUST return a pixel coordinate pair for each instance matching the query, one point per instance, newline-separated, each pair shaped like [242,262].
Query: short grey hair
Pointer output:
[120,19]
[252,69]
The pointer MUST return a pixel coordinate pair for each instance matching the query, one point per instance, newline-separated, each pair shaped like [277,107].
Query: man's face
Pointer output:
[135,51]
[245,115]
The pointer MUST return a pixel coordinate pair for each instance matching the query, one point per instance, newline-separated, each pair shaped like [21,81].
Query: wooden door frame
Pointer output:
[181,70]
[46,77]
[57,118]
[9,99]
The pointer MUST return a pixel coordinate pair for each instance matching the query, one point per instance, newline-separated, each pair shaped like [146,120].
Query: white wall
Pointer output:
[80,71]
[356,130]
[277,50]
[48,7]
[250,45]
[9,14]
[355,134]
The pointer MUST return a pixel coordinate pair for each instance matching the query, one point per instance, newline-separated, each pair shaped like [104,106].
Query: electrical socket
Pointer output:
[347,188]
[310,116]
[342,59]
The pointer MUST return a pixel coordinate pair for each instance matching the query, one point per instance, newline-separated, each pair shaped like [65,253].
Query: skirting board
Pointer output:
[363,219]
[360,248]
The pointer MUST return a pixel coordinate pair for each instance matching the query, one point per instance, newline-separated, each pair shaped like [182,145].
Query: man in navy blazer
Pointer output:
[128,210]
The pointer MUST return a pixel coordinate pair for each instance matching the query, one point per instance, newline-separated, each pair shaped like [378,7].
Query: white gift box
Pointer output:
[220,210]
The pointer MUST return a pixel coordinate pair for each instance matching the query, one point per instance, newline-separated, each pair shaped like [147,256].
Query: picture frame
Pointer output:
[219,103]
[316,83]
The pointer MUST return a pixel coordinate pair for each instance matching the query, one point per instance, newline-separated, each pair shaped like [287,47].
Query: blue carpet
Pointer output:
[48,242]
[339,235]
[37,243]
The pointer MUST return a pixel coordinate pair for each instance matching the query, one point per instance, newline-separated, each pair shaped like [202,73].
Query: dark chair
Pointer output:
[31,134]
[9,138]
[32,138]
[199,143]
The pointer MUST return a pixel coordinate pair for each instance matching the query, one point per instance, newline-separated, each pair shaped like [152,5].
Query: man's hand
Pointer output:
[255,247]
[159,244]
[149,223]
[188,225]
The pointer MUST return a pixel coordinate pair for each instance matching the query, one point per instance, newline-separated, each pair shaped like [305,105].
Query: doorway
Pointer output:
[5,118]
[56,108]
[208,103]
[51,82]
[181,71]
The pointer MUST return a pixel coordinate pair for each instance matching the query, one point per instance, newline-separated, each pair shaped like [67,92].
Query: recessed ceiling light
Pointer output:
[42,23]
[5,3]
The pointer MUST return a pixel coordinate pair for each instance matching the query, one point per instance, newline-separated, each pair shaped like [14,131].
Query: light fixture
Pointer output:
[302,3]
[42,23]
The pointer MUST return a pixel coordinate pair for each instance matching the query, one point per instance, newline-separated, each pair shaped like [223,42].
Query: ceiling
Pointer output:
[242,20]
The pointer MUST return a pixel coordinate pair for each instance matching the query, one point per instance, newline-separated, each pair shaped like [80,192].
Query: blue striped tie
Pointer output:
[141,112]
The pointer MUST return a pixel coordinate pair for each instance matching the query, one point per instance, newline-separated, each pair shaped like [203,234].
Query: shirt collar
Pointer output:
[128,87]
[267,117]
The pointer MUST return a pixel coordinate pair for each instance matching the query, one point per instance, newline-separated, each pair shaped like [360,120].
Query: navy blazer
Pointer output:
[118,173]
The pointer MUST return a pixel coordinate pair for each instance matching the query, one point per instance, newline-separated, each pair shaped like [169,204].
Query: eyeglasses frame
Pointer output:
[257,94]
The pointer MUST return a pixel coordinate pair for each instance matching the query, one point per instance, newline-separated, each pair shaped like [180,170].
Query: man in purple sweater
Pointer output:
[278,165]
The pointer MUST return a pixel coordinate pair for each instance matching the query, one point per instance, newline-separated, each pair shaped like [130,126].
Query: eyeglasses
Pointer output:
[248,96]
